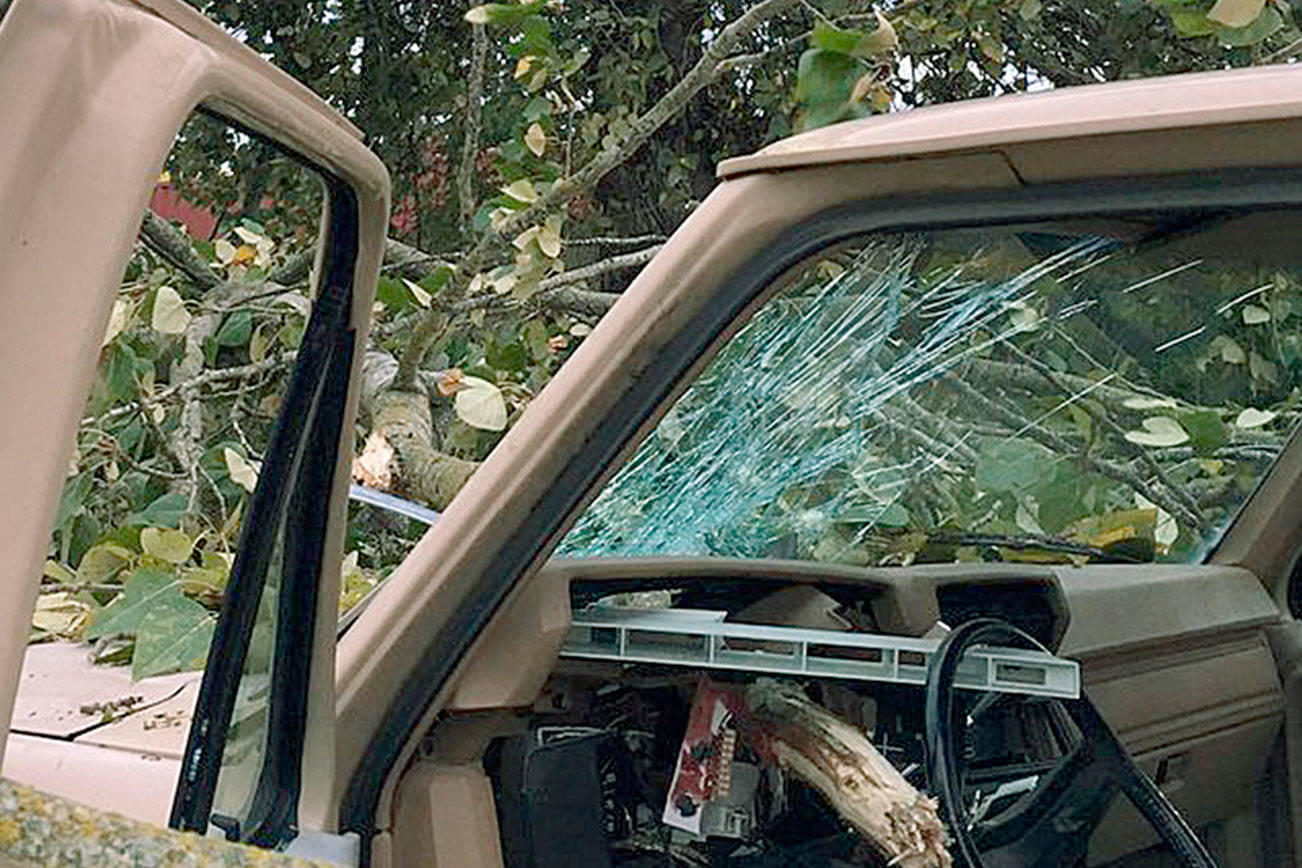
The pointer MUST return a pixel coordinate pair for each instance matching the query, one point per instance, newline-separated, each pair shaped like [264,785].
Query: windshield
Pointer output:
[1051,393]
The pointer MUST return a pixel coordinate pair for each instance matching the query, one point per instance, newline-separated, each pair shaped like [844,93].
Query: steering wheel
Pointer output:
[1051,824]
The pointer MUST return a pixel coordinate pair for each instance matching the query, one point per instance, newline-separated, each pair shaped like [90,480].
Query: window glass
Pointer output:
[1109,391]
[195,364]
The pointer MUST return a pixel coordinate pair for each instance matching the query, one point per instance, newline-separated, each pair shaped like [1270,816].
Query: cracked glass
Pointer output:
[1108,391]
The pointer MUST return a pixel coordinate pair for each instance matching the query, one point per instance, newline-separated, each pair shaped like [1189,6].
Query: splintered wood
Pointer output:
[839,761]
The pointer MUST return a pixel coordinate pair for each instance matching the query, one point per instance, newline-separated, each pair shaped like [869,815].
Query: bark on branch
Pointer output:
[837,760]
[176,249]
[422,472]
[474,121]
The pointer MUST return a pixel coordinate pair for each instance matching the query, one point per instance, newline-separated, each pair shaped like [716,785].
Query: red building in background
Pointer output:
[199,222]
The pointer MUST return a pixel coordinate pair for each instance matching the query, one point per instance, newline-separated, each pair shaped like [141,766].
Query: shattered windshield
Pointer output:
[1049,393]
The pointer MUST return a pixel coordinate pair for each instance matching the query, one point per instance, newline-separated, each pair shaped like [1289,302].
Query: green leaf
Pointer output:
[121,372]
[1010,465]
[173,636]
[145,587]
[510,356]
[825,81]
[1191,22]
[166,544]
[102,563]
[1205,430]
[74,496]
[436,279]
[535,335]
[166,511]
[1061,499]
[392,292]
[537,108]
[236,330]
[1158,431]
[829,37]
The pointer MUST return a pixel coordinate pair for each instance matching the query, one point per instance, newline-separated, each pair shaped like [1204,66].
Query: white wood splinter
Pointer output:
[838,760]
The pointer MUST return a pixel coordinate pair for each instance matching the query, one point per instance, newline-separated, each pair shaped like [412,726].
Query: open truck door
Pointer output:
[94,94]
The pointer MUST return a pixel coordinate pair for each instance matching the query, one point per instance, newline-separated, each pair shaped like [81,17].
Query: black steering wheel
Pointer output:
[1050,825]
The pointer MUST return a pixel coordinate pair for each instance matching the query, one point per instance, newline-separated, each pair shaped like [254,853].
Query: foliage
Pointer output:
[501,261]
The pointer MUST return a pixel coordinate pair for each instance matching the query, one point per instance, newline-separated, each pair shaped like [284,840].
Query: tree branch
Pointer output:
[176,249]
[213,377]
[974,398]
[696,79]
[474,121]
[1187,511]
[579,302]
[410,262]
[700,76]
[616,241]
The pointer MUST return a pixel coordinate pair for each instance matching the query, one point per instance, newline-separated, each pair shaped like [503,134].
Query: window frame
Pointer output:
[278,500]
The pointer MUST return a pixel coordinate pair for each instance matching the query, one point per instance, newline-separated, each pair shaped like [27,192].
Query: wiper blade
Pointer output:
[1032,542]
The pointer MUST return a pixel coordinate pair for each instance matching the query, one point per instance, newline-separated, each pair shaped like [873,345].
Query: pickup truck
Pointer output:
[708,601]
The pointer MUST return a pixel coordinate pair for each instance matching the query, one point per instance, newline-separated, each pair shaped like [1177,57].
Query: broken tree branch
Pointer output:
[422,473]
[837,760]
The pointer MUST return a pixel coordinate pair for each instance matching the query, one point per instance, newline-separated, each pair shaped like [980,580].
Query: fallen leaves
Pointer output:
[480,404]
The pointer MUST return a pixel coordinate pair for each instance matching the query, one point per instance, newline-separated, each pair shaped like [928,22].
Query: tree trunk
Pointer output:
[837,760]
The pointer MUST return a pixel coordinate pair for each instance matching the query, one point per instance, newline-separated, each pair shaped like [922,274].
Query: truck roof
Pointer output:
[1168,102]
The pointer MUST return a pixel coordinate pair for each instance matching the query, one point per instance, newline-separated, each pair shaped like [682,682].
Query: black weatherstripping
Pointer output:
[291,498]
[1239,189]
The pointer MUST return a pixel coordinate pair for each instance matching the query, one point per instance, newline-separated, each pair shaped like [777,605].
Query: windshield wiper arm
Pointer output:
[1031,542]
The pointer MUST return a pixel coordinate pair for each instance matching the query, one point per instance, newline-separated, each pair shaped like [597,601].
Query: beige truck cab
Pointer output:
[713,600]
